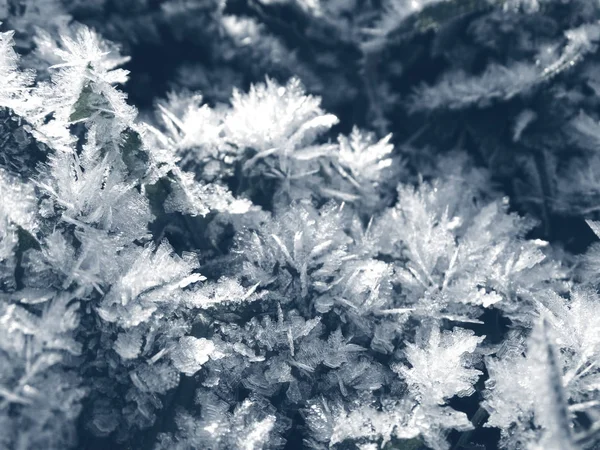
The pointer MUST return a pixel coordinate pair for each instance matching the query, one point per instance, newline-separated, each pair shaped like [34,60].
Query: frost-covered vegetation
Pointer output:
[350,224]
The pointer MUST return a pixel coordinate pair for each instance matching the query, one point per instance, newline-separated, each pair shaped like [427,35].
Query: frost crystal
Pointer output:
[191,353]
[255,262]
[439,370]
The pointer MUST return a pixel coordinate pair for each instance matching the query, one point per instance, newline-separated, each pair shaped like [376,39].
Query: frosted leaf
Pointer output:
[364,288]
[191,353]
[151,268]
[510,394]
[15,83]
[364,157]
[193,126]
[270,130]
[456,253]
[366,420]
[253,425]
[338,350]
[43,395]
[93,189]
[187,193]
[492,246]
[57,254]
[359,167]
[59,318]
[424,228]
[440,367]
[87,48]
[94,263]
[575,321]
[193,198]
[532,389]
[273,116]
[224,291]
[265,352]
[302,241]
[82,91]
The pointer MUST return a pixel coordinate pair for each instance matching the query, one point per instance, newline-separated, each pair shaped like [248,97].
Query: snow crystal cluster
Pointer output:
[244,266]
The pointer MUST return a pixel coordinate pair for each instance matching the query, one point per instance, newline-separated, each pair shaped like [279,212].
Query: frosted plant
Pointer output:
[222,142]
[363,287]
[440,369]
[363,158]
[259,272]
[88,239]
[421,413]
[333,422]
[508,51]
[362,171]
[194,130]
[275,119]
[300,251]
[438,366]
[16,83]
[252,426]
[37,327]
[458,90]
[555,380]
[152,273]
[444,241]
[41,392]
[268,131]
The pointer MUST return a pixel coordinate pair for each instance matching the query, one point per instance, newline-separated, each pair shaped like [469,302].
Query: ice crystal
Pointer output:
[253,267]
